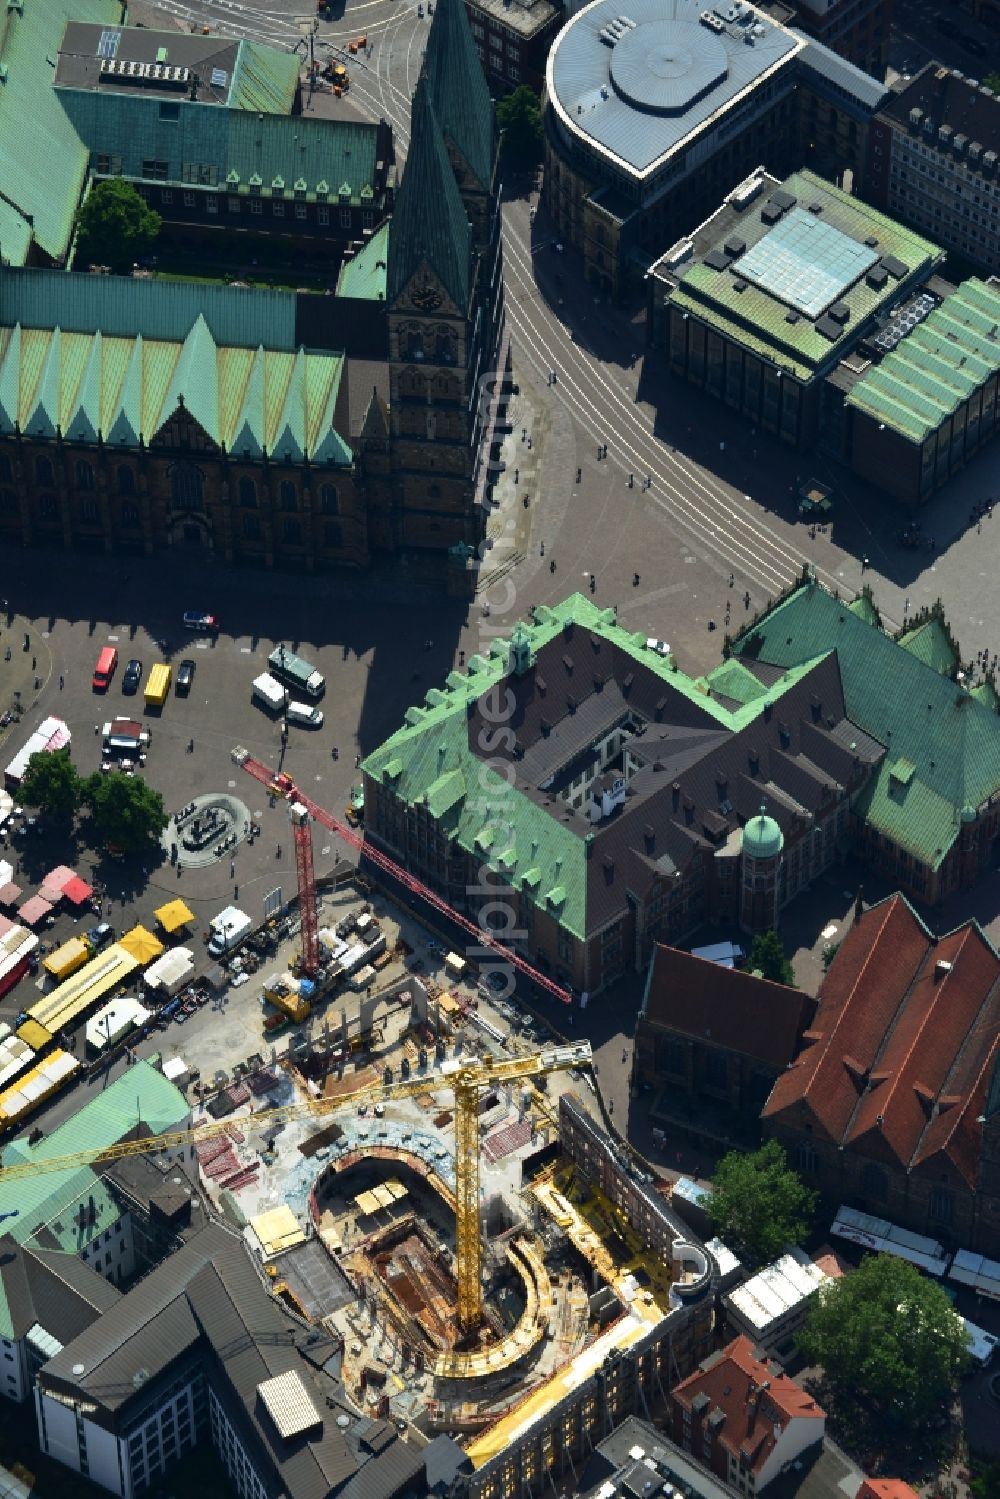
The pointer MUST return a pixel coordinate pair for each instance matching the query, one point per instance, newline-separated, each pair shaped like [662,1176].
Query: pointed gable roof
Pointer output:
[903,1046]
[458,89]
[429,225]
[195,380]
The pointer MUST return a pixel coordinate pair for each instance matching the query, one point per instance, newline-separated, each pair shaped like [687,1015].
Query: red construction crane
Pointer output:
[280,784]
[302,833]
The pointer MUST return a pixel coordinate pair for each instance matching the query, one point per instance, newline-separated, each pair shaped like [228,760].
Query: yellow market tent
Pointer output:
[67,959]
[142,945]
[174,915]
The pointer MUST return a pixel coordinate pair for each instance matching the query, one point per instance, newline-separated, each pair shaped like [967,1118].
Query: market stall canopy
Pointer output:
[67,959]
[59,877]
[174,915]
[77,891]
[34,910]
[141,943]
[6,806]
[6,871]
[10,894]
[123,1014]
[172,971]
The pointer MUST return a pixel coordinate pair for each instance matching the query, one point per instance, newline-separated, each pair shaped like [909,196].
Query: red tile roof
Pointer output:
[885,1488]
[726,1006]
[753,1401]
[903,1044]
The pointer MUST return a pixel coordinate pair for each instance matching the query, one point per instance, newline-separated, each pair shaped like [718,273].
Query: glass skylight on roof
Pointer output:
[805,262]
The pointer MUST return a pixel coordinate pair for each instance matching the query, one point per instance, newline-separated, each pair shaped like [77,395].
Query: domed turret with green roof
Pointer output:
[762,837]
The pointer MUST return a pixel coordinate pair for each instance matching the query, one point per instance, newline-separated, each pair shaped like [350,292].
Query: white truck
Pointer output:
[227,931]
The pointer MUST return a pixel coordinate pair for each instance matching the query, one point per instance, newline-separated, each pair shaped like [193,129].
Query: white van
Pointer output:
[304,714]
[982,1344]
[269,694]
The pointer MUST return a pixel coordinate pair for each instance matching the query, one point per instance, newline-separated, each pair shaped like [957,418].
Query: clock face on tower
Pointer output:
[426,296]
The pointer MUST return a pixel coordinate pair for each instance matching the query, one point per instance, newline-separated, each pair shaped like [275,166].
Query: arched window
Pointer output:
[84,474]
[248,494]
[88,510]
[328,499]
[186,486]
[48,506]
[130,514]
[5,469]
[126,479]
[414,344]
[332,534]
[287,497]
[874,1182]
[251,527]
[805,1158]
[43,471]
[445,348]
[292,530]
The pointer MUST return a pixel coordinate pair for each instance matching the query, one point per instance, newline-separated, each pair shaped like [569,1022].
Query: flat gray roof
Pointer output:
[635,78]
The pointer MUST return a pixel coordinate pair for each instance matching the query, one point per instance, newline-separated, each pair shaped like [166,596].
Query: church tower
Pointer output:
[444,295]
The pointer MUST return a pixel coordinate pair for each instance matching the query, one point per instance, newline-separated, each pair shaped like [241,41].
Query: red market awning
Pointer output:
[77,891]
[34,910]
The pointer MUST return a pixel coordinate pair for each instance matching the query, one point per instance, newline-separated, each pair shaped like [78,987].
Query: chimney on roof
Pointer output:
[676,793]
[942,968]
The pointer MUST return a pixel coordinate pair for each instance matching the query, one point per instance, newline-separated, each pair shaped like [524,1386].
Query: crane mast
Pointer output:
[280,784]
[464,1077]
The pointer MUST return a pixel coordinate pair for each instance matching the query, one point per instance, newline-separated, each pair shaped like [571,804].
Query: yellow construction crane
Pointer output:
[465,1077]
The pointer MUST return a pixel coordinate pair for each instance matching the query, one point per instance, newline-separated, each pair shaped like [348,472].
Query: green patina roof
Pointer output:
[248,400]
[365,275]
[937,366]
[44,162]
[264,79]
[762,837]
[458,89]
[429,227]
[237,145]
[864,607]
[951,740]
[429,756]
[931,643]
[986,693]
[46,1203]
[122,306]
[756,319]
[733,680]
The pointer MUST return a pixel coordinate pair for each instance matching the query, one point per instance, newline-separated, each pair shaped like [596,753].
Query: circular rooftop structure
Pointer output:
[666,66]
[762,837]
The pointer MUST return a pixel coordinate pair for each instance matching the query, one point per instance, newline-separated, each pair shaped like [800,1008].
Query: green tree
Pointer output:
[758,1203]
[767,956]
[890,1335]
[115,225]
[986,1475]
[519,116]
[126,812]
[52,784]
[992,80]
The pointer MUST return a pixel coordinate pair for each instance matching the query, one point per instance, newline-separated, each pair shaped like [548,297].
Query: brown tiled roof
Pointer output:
[580,684]
[729,1008]
[752,1399]
[903,1046]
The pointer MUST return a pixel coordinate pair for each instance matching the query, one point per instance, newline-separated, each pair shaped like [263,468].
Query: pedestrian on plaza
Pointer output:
[746,599]
[732,580]
[552,566]
[635,580]
[62,682]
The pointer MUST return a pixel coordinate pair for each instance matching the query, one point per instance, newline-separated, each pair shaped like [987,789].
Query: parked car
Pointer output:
[185,676]
[206,623]
[132,676]
[99,936]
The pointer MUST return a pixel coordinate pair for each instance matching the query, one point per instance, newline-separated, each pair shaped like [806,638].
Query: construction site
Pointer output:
[443,1198]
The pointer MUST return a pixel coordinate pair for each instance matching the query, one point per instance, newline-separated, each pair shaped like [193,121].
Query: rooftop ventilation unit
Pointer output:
[916,115]
[680,253]
[711,21]
[975,150]
[746,192]
[959,144]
